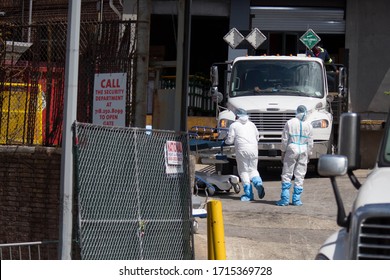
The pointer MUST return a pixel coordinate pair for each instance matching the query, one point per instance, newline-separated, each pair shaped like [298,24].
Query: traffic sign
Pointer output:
[256,38]
[310,39]
[233,38]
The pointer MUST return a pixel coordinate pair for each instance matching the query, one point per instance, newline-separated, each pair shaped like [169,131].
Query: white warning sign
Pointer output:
[109,100]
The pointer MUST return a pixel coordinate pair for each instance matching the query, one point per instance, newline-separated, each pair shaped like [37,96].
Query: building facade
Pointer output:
[355,33]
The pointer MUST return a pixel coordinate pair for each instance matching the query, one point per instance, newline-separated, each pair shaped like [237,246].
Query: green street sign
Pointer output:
[310,39]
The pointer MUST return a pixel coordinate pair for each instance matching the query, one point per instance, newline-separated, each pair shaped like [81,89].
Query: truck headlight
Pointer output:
[320,123]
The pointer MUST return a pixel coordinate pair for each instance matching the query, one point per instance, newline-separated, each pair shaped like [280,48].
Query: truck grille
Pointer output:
[270,122]
[373,242]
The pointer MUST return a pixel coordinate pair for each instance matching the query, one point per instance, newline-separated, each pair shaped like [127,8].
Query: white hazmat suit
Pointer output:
[245,136]
[297,143]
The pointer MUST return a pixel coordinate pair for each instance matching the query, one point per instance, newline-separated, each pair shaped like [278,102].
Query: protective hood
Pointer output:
[301,113]
[243,118]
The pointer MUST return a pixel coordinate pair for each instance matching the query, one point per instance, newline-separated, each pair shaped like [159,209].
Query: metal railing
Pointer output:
[39,250]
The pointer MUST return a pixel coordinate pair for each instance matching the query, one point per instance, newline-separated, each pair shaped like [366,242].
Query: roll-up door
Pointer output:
[322,20]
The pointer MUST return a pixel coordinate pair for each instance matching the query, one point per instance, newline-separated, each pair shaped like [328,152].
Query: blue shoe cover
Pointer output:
[296,197]
[260,191]
[285,195]
[258,183]
[282,203]
[248,194]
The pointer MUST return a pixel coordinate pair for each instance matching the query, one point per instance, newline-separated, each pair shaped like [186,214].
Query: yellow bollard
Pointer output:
[215,231]
[210,243]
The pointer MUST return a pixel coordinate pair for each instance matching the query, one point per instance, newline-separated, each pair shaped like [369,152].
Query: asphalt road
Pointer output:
[260,230]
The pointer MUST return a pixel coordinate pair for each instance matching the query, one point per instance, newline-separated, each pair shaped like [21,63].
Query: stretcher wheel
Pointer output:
[210,190]
[236,188]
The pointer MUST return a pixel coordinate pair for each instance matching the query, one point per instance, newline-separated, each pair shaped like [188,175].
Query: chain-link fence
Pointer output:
[32,73]
[133,192]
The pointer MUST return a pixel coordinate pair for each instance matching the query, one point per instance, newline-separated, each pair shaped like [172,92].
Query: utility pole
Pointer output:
[70,109]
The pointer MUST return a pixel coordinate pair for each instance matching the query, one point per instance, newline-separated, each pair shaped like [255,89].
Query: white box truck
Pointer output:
[270,88]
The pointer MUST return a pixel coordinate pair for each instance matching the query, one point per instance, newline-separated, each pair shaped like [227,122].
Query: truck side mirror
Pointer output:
[214,76]
[329,98]
[216,96]
[349,139]
[332,165]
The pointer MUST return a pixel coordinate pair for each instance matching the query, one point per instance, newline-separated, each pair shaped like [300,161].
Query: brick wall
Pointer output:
[29,193]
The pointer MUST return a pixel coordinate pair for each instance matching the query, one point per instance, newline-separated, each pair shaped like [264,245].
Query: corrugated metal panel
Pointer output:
[321,20]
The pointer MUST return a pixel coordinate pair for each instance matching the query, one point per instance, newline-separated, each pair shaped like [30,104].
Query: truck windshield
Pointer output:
[277,77]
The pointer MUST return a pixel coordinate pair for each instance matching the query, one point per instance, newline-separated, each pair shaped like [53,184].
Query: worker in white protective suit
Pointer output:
[297,143]
[245,136]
